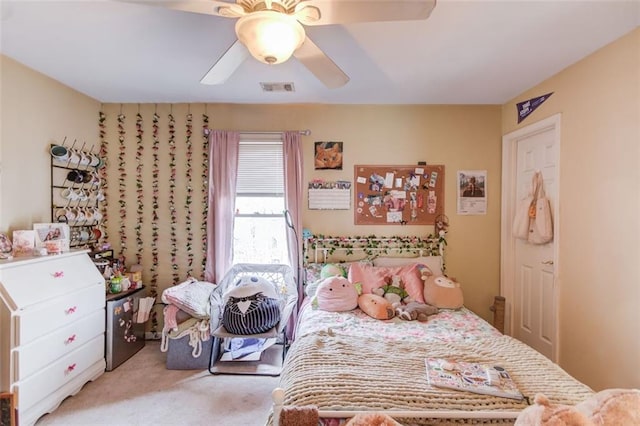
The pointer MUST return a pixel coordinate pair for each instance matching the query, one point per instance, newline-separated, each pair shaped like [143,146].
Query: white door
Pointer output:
[529,278]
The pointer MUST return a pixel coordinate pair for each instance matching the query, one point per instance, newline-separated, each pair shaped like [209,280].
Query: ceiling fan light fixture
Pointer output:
[270,36]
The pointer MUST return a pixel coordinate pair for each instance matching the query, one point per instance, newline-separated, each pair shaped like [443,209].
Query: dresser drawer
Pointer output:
[31,358]
[56,374]
[31,282]
[56,313]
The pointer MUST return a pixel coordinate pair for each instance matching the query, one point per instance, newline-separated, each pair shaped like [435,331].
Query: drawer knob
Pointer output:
[71,310]
[58,274]
[71,367]
[70,339]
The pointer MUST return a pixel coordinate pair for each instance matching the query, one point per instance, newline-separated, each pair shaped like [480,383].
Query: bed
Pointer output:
[345,363]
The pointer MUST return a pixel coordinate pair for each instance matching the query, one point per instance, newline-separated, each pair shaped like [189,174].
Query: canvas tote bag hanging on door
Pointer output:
[533,221]
[541,224]
[522,217]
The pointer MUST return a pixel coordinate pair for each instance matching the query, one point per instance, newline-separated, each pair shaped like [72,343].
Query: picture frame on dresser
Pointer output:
[24,241]
[7,409]
[52,236]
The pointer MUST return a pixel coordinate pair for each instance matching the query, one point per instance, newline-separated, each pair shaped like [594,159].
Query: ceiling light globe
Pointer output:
[270,36]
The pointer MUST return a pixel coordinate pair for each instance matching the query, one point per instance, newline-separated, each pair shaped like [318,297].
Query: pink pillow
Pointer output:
[411,276]
[372,277]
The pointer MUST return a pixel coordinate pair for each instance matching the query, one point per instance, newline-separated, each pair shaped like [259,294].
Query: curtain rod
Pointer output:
[305,132]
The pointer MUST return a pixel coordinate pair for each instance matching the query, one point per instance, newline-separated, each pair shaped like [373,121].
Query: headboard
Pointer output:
[323,249]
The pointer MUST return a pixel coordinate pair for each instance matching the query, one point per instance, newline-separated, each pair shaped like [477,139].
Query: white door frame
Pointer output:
[509,201]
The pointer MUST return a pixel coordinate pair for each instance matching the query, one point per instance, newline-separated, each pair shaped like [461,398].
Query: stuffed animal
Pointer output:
[372,419]
[415,311]
[335,294]
[251,306]
[608,407]
[393,292]
[442,292]
[333,270]
[376,306]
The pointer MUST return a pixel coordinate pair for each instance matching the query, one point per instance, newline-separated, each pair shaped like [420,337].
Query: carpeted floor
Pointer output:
[143,392]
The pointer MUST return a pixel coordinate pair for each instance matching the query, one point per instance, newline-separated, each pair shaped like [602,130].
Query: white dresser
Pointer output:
[52,324]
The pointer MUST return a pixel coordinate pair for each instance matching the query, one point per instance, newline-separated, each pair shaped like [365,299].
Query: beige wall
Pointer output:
[36,111]
[460,137]
[599,252]
[43,111]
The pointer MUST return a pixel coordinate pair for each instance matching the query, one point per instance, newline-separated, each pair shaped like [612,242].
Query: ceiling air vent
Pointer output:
[278,87]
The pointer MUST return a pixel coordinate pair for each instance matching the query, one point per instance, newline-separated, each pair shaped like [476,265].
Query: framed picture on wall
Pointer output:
[328,155]
[472,192]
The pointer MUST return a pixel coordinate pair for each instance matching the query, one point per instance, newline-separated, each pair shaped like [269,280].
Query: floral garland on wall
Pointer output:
[122,187]
[373,246]
[104,154]
[189,196]
[139,193]
[154,218]
[172,198]
[205,186]
[131,222]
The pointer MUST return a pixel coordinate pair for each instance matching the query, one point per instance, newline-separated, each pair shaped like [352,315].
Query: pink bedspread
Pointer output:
[446,326]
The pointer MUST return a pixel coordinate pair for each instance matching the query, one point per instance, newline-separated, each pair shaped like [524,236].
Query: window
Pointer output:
[260,229]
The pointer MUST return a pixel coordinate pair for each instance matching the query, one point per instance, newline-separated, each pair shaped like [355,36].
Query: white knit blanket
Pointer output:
[339,372]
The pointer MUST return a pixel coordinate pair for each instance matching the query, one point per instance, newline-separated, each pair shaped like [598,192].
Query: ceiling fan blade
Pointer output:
[227,64]
[350,11]
[207,7]
[320,65]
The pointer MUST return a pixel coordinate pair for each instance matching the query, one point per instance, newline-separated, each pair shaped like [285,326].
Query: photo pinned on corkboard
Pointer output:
[328,156]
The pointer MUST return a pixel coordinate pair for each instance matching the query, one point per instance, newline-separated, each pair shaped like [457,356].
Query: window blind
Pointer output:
[260,169]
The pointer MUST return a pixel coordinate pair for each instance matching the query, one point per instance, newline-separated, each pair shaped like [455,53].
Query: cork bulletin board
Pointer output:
[398,195]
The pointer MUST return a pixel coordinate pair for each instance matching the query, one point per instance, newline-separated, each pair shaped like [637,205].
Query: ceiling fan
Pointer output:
[271,30]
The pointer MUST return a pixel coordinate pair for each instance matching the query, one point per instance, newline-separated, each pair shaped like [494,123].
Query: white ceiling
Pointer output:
[467,52]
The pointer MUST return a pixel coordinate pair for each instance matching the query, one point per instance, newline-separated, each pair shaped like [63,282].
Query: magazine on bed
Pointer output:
[471,377]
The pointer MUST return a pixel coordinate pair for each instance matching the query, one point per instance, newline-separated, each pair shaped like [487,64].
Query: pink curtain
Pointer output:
[223,167]
[292,150]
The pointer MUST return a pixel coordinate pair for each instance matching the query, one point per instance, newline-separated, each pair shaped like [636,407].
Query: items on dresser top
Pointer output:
[52,321]
[6,247]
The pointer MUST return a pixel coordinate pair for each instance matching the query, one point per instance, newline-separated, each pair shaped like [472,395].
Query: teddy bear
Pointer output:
[442,292]
[394,292]
[607,407]
[415,311]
